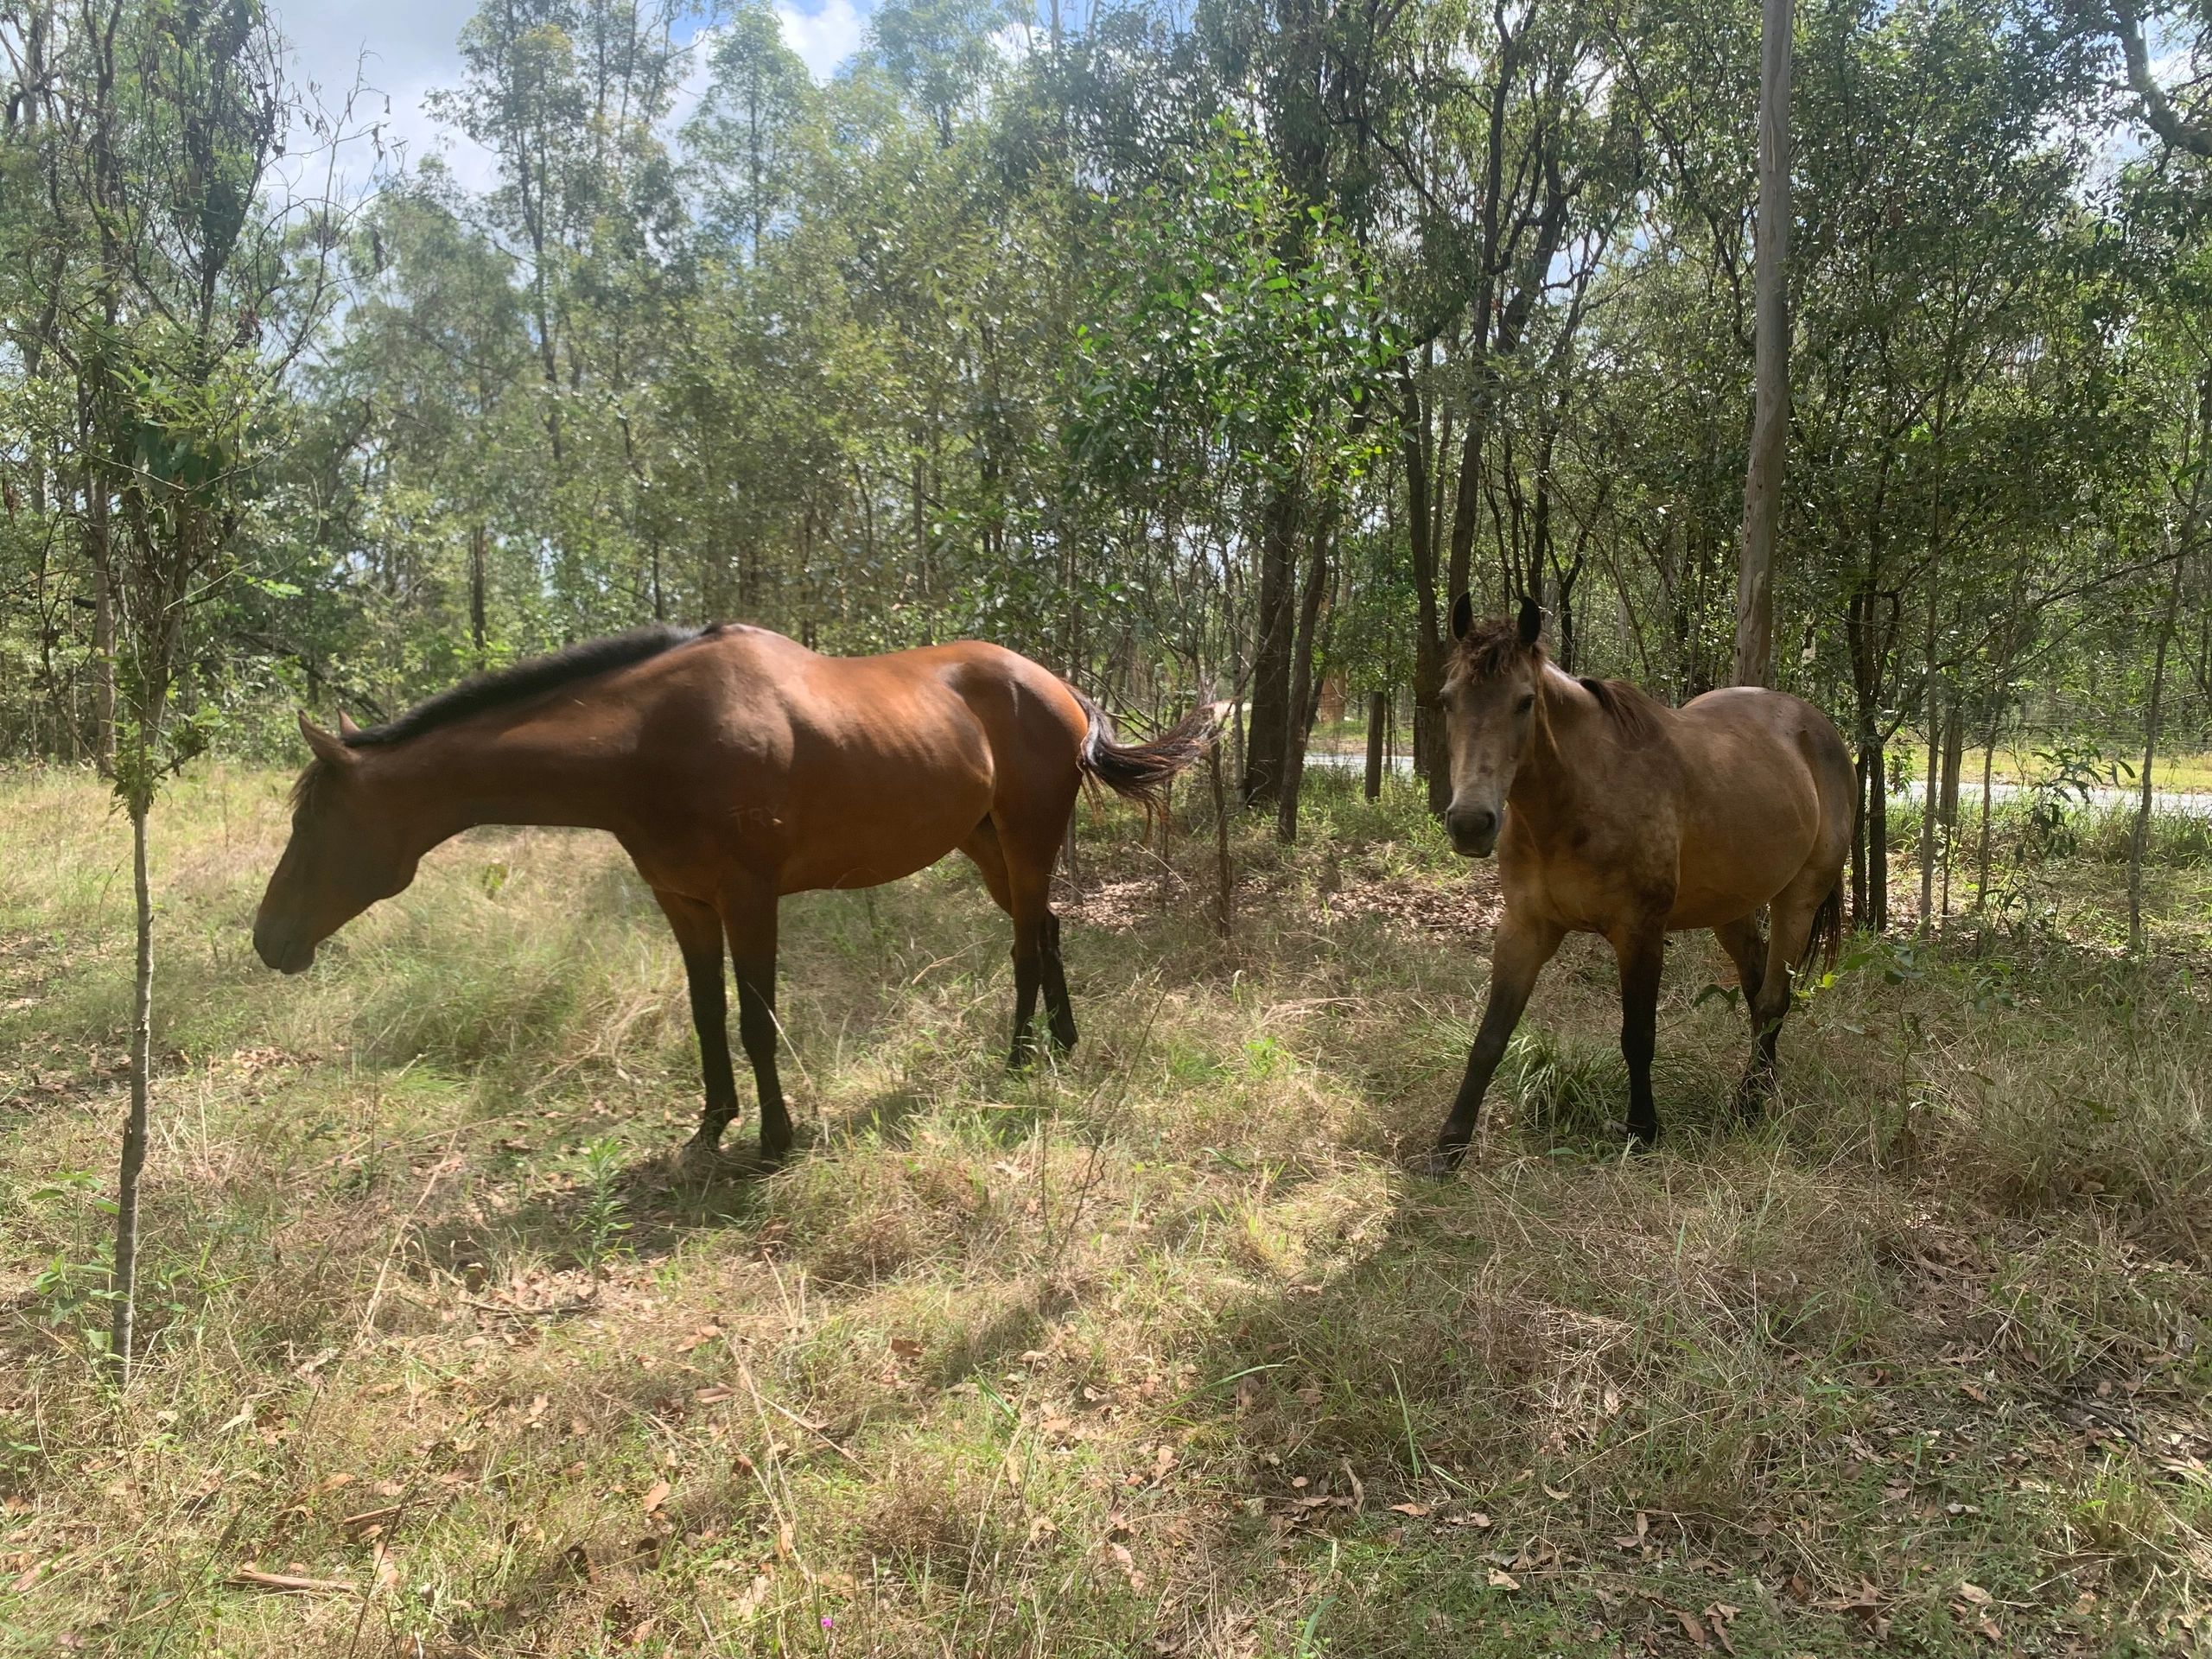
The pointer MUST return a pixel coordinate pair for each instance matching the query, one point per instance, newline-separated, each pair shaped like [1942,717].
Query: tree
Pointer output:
[1770,413]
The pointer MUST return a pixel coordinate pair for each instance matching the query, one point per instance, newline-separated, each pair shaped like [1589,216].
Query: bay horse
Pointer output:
[734,766]
[1615,815]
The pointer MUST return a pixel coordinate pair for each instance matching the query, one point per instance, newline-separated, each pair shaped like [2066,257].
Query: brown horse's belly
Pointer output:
[903,819]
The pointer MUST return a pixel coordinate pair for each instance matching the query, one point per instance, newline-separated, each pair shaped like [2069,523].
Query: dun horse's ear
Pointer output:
[1532,620]
[326,747]
[346,728]
[1462,615]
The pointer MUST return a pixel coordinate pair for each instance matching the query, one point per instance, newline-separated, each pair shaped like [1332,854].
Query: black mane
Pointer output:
[528,679]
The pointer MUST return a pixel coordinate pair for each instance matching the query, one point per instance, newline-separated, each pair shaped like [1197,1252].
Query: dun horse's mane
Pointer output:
[1490,648]
[529,678]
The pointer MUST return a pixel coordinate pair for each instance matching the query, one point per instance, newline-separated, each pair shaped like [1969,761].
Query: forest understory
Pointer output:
[1159,1351]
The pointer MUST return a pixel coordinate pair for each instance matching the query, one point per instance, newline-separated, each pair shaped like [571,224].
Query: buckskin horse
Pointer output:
[735,766]
[1615,815]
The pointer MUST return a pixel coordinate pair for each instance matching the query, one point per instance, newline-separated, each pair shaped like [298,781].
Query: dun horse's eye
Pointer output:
[1525,704]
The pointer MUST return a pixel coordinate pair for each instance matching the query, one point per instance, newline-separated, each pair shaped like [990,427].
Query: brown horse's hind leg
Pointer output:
[1024,892]
[749,920]
[699,937]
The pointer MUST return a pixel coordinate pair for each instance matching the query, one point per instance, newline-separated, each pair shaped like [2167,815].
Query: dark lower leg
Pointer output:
[1641,959]
[1517,955]
[699,937]
[1747,946]
[757,1030]
[1028,977]
[1057,1003]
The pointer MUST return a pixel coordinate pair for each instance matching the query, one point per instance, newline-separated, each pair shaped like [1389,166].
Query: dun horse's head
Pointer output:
[343,856]
[1489,701]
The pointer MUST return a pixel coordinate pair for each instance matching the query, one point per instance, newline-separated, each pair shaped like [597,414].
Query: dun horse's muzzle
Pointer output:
[1473,830]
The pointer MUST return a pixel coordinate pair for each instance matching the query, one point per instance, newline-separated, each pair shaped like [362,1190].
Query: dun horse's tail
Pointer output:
[1826,937]
[1142,771]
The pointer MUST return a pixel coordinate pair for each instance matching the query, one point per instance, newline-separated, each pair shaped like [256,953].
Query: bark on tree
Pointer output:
[2149,754]
[1378,715]
[1771,409]
[1267,743]
[1301,707]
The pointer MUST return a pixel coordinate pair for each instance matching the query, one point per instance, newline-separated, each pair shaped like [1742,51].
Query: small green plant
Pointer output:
[606,1217]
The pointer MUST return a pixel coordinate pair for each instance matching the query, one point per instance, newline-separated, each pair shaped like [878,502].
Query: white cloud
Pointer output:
[397,54]
[824,37]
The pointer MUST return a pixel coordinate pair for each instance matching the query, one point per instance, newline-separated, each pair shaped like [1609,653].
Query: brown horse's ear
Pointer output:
[326,747]
[346,728]
[1532,620]
[1462,615]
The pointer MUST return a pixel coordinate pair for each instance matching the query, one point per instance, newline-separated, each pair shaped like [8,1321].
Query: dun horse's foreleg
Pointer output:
[750,922]
[1517,955]
[1642,955]
[699,937]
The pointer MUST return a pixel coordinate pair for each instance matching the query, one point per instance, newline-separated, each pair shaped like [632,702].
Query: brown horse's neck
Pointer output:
[1547,790]
[498,769]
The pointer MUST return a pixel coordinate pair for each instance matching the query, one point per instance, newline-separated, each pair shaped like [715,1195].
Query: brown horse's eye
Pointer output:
[1526,703]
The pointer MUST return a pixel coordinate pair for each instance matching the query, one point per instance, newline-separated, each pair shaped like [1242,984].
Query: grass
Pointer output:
[1161,1350]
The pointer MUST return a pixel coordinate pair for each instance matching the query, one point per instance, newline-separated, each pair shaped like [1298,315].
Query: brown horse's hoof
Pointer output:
[699,1160]
[1441,1163]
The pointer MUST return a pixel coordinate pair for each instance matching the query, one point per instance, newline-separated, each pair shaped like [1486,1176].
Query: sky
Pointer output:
[404,49]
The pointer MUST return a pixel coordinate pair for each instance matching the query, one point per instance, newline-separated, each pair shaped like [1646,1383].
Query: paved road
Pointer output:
[2185,803]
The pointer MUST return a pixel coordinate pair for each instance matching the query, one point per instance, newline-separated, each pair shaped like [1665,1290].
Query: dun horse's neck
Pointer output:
[501,771]
[1547,787]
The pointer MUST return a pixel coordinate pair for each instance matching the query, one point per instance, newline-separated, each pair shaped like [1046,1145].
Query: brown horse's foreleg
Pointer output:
[750,921]
[1517,955]
[699,937]
[1642,954]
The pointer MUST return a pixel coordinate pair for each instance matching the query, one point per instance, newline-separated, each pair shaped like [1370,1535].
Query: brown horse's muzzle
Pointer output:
[281,950]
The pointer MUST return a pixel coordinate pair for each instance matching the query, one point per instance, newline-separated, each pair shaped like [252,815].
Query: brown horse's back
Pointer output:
[1767,798]
[828,772]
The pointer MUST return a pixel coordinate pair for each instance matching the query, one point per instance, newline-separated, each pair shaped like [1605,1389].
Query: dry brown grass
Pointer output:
[1159,1351]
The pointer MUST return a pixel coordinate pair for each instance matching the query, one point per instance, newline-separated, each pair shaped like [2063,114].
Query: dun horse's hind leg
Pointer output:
[1789,927]
[1747,947]
[749,920]
[1518,954]
[699,937]
[1642,954]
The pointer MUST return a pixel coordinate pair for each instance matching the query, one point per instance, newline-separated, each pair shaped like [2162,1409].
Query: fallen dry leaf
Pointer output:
[656,1496]
[254,1579]
[905,1348]
[1415,1510]
[1693,1627]
[1501,1580]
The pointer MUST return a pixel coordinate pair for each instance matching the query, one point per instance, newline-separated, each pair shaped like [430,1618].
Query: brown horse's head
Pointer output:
[1490,700]
[343,856]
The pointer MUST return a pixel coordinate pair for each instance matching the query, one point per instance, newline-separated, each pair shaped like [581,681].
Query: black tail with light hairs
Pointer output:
[1826,939]
[1142,771]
